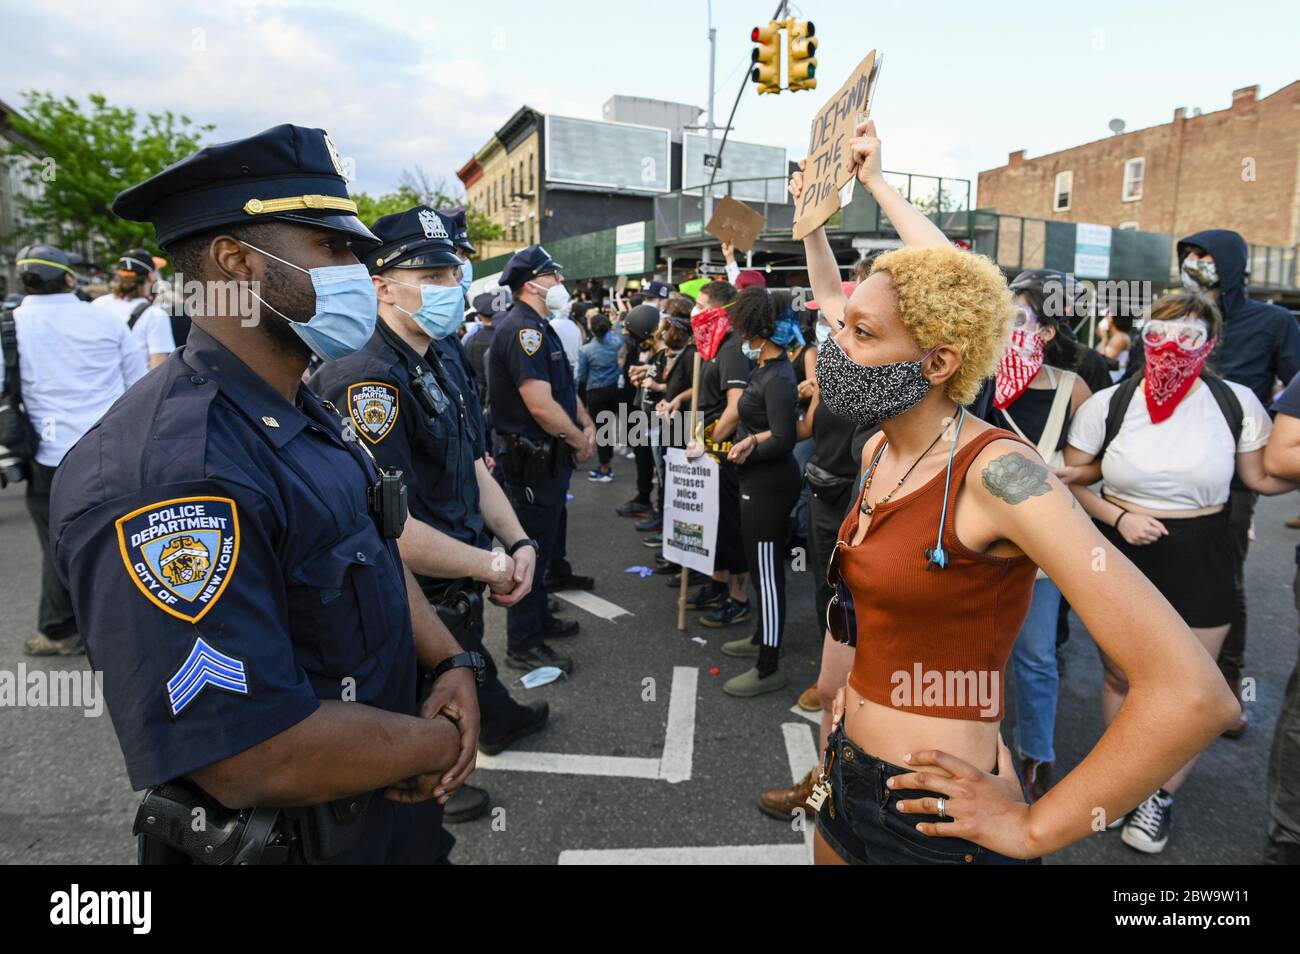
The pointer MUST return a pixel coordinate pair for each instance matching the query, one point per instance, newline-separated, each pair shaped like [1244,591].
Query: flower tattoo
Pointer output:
[1015,478]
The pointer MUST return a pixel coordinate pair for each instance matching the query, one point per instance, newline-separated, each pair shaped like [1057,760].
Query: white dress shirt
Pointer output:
[76,360]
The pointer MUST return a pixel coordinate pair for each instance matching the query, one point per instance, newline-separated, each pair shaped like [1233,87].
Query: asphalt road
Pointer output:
[683,785]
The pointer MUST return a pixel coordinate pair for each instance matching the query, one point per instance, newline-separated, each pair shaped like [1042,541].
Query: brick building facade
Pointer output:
[1236,168]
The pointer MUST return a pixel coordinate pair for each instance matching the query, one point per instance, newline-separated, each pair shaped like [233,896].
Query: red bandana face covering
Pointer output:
[1171,371]
[1020,363]
[710,327]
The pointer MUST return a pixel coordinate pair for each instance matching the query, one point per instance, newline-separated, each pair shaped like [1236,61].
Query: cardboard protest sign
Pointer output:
[690,510]
[824,173]
[735,222]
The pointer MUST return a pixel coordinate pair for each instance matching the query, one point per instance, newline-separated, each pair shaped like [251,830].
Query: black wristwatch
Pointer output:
[525,542]
[470,660]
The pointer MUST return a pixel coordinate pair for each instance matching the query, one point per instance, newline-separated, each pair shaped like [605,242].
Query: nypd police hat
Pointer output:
[460,232]
[417,238]
[654,289]
[527,264]
[286,173]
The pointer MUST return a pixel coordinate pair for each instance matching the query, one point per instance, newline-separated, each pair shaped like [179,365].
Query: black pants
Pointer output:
[1284,767]
[55,617]
[645,469]
[768,493]
[1232,657]
[540,509]
[731,544]
[495,706]
[604,401]
[559,565]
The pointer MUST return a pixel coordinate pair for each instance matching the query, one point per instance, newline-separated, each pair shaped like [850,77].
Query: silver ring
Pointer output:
[940,806]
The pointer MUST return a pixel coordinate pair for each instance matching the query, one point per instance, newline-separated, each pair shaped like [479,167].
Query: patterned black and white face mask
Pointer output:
[868,394]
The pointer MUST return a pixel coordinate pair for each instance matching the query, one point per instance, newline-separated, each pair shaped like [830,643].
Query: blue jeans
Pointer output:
[1033,662]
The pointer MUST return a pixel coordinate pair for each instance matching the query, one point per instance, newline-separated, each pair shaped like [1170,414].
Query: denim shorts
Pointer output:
[861,821]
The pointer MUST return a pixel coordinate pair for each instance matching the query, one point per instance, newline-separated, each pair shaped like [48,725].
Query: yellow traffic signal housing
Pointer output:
[766,57]
[801,54]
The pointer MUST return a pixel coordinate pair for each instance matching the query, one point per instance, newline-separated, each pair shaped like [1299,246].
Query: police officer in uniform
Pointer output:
[405,400]
[543,430]
[232,556]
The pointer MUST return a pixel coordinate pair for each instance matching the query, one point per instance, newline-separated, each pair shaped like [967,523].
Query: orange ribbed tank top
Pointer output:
[933,641]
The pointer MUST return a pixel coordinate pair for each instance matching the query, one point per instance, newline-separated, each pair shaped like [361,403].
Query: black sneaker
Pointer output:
[729,613]
[537,657]
[1147,828]
[526,719]
[675,577]
[651,524]
[559,627]
[570,581]
[465,804]
[653,540]
[707,596]
[552,605]
[634,508]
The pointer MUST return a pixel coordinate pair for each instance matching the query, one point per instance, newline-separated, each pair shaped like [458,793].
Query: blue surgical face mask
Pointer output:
[750,352]
[441,311]
[345,308]
[466,276]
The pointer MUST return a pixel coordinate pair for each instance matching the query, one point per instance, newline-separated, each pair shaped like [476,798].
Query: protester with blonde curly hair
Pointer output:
[934,571]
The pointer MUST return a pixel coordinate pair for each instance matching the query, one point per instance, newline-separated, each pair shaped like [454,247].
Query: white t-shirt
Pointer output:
[571,338]
[75,362]
[153,330]
[1183,463]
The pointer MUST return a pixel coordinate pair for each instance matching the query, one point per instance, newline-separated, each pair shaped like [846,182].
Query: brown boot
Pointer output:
[1036,777]
[1238,728]
[810,700]
[781,802]
[42,645]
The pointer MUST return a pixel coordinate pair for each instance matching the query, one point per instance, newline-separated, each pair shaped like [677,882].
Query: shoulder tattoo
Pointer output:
[1015,478]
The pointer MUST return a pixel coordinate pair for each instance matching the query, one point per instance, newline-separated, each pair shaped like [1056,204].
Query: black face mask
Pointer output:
[868,394]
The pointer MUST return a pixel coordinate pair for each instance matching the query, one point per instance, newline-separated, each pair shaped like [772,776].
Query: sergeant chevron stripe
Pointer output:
[205,666]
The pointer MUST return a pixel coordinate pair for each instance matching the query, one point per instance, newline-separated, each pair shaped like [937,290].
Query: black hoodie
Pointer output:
[1260,343]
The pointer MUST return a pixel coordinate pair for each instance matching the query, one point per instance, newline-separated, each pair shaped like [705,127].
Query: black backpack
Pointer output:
[17,435]
[180,322]
[1227,401]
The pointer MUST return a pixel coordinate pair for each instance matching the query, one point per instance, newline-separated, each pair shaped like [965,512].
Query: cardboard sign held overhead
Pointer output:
[735,222]
[824,173]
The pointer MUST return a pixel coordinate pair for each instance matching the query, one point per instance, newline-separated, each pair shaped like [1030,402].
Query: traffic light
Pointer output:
[766,57]
[801,54]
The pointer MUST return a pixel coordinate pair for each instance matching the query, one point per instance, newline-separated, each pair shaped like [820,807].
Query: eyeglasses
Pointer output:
[841,617]
[1187,334]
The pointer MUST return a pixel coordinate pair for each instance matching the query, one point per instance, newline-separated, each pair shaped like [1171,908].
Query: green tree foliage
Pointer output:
[416,188]
[78,158]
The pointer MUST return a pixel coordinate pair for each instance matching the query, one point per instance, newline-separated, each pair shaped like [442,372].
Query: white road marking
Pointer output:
[593,604]
[674,765]
[814,717]
[724,855]
[679,741]
[801,752]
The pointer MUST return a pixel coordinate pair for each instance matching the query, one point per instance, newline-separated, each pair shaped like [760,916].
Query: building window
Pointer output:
[532,165]
[1134,172]
[1062,192]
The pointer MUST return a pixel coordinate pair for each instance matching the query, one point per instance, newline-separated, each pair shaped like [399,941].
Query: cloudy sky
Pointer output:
[405,84]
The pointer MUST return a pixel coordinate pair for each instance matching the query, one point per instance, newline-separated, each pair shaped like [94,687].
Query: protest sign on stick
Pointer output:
[824,173]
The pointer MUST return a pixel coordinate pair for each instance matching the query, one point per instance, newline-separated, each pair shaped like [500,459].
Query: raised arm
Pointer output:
[823,270]
[863,156]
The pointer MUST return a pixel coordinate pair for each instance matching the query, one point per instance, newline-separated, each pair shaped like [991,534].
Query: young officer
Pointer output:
[233,558]
[405,401]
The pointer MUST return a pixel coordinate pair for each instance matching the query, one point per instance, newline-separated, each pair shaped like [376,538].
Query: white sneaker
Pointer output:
[1147,828]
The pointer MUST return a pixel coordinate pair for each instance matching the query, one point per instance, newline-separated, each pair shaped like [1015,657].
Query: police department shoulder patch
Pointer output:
[373,407]
[530,339]
[181,553]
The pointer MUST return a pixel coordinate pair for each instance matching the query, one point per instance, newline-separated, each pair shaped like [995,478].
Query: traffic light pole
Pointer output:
[726,130]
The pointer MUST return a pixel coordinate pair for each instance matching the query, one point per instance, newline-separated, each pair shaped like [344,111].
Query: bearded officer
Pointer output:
[233,558]
[543,430]
[409,402]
